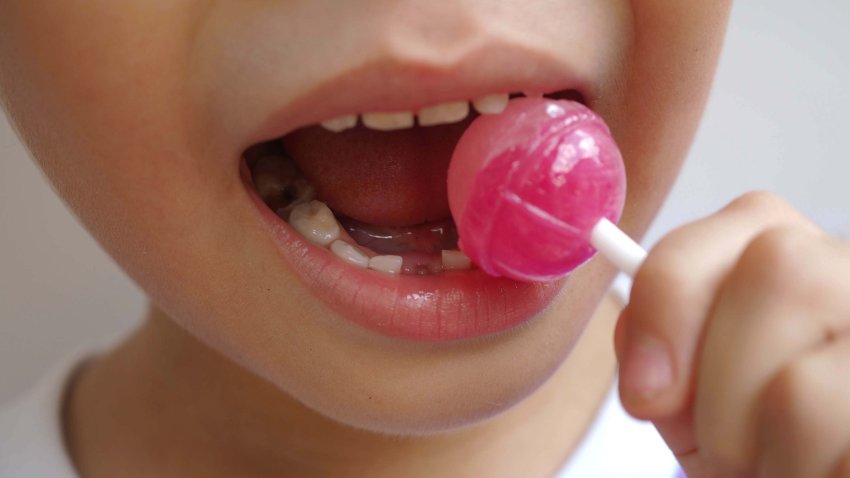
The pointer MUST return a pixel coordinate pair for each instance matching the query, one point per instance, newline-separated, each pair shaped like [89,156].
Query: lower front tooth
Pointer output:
[456,261]
[388,264]
[315,221]
[350,254]
[388,121]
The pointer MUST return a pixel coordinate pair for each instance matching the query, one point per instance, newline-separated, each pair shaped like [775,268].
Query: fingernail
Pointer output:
[647,369]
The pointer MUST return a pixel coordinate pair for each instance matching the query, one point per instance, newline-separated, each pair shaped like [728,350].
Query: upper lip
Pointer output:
[401,83]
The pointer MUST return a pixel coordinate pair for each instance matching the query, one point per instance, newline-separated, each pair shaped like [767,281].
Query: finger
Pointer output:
[672,294]
[786,295]
[804,418]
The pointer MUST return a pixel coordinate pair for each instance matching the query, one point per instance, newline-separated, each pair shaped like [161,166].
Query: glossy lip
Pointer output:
[388,85]
[449,306]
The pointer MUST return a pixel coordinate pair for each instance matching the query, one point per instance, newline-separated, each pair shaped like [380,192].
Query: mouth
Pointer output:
[357,205]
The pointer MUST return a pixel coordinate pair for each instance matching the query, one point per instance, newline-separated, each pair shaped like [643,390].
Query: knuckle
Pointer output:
[775,262]
[761,201]
[791,395]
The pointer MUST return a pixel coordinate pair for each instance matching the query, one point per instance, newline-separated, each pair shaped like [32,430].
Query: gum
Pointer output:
[526,188]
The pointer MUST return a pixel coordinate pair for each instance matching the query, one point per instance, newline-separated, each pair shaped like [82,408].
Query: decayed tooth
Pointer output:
[340,124]
[388,264]
[279,183]
[315,221]
[295,194]
[388,121]
[272,174]
[443,113]
[491,104]
[456,261]
[350,254]
[270,185]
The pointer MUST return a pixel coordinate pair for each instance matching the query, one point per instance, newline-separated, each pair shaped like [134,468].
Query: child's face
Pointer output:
[140,112]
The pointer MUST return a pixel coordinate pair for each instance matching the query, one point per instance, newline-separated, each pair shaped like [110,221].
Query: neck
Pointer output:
[162,393]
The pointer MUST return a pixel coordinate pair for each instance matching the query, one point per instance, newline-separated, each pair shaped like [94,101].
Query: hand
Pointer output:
[736,344]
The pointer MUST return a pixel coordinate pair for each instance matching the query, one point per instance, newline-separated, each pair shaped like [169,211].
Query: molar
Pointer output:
[388,121]
[315,221]
[443,113]
[280,185]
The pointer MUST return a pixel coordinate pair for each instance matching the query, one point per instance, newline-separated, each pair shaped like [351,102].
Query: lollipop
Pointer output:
[536,191]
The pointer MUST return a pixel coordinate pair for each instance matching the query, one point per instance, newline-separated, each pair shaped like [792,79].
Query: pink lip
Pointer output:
[451,306]
[393,84]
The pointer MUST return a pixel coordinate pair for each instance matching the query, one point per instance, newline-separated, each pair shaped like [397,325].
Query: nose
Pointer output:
[434,32]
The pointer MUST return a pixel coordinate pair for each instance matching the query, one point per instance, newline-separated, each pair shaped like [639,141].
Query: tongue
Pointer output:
[395,178]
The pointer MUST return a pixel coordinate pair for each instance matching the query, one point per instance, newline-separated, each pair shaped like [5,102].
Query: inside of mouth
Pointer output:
[375,199]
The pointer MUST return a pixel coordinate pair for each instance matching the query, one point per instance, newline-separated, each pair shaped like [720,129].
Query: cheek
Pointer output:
[658,100]
[132,154]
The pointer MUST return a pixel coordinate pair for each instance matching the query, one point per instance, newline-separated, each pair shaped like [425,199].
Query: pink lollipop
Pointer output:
[536,190]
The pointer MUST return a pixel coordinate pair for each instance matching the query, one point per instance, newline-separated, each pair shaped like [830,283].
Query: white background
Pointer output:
[776,121]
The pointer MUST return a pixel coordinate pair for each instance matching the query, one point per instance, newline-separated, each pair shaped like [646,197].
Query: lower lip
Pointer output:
[443,307]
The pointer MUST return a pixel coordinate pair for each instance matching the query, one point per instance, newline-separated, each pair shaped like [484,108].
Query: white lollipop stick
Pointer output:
[617,247]
[621,250]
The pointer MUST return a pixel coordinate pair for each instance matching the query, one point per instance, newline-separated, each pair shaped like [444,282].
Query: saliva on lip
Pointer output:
[420,250]
[527,187]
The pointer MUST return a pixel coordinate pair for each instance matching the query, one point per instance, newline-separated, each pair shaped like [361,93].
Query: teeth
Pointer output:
[443,113]
[388,121]
[350,254]
[315,221]
[340,124]
[456,261]
[388,264]
[491,104]
[279,183]
[270,186]
[533,94]
[304,193]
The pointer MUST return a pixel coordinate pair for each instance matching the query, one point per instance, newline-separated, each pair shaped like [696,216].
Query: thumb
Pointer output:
[676,431]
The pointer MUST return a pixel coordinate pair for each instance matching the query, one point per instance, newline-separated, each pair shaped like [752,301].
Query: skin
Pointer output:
[132,113]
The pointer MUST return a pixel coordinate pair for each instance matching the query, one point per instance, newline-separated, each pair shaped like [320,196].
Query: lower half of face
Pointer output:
[192,137]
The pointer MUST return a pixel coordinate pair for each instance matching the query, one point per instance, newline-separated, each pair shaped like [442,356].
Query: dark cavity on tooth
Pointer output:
[428,238]
[280,184]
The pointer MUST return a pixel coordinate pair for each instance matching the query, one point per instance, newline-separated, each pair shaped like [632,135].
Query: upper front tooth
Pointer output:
[491,104]
[341,123]
[388,121]
[443,113]
[315,221]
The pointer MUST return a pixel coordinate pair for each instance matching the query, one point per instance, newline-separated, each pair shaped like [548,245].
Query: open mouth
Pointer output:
[359,205]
